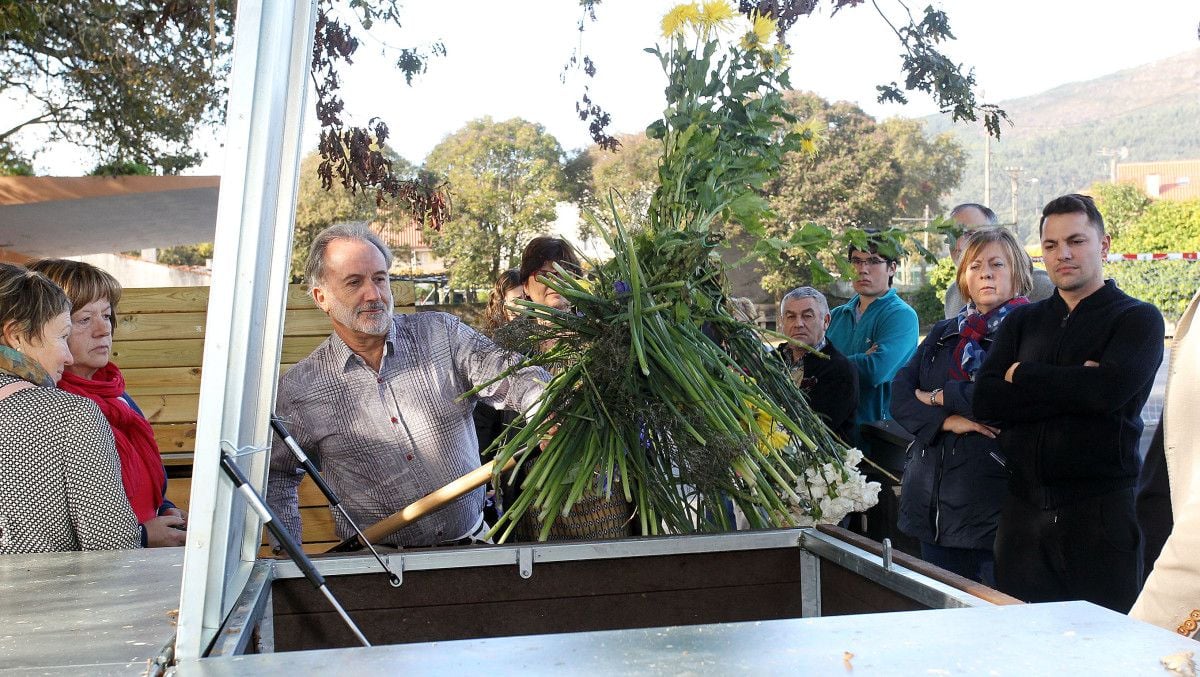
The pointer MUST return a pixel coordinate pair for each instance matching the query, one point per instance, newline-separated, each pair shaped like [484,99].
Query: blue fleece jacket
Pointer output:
[891,325]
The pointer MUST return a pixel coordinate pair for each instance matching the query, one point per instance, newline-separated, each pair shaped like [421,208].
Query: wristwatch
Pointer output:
[933,396]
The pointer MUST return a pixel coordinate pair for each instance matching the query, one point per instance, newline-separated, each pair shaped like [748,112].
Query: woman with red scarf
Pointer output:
[955,481]
[94,295]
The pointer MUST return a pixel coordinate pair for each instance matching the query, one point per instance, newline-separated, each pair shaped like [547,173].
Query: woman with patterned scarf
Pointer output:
[94,295]
[60,480]
[955,480]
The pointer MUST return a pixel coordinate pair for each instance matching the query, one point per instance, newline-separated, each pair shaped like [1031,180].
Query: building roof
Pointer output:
[1167,180]
[70,216]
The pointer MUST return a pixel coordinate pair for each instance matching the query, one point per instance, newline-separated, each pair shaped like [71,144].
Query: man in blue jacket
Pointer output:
[876,331]
[1065,381]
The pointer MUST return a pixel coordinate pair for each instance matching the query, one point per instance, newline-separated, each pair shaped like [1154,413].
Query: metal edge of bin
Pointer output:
[530,554]
[250,611]
[911,584]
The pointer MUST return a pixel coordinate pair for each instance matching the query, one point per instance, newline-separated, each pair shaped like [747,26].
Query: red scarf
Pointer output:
[141,466]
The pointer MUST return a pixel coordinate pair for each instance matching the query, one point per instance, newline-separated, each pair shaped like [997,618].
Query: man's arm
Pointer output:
[994,398]
[479,361]
[285,475]
[1128,361]
[894,340]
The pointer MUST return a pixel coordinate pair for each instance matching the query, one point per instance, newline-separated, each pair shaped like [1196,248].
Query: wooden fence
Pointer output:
[158,343]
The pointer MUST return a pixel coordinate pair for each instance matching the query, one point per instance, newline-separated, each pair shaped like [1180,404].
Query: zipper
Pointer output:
[1038,451]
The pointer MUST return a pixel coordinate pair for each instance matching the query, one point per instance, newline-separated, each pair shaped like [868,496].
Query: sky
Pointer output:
[504,59]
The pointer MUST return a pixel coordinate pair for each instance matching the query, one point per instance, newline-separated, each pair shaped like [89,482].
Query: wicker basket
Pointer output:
[591,518]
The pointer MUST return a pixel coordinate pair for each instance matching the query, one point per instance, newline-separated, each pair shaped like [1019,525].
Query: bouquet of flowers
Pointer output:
[659,393]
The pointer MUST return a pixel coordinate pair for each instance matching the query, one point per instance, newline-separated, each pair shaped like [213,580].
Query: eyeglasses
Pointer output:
[873,261]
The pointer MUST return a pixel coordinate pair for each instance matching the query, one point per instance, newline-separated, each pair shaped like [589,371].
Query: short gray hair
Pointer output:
[805,293]
[314,267]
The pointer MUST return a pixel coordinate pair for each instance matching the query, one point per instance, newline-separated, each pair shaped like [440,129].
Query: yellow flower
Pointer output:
[810,136]
[778,439]
[715,15]
[760,33]
[677,19]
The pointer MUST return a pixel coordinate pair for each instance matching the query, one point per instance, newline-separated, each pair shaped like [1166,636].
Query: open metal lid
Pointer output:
[252,249]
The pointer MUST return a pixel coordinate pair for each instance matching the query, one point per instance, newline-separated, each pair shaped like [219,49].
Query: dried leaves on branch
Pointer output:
[353,155]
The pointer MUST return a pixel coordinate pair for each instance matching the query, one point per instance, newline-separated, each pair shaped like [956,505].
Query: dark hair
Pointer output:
[1073,203]
[82,282]
[314,267]
[29,301]
[543,249]
[988,214]
[494,316]
[873,248]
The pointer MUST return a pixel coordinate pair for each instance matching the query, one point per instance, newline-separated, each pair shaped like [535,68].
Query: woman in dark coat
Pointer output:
[955,481]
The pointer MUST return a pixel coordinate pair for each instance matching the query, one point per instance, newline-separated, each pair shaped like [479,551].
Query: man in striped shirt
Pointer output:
[379,405]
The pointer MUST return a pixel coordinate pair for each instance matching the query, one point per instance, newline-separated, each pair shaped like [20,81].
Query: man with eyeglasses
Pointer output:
[876,331]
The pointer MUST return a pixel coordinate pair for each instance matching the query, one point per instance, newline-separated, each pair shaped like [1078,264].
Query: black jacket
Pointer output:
[831,386]
[1070,432]
[954,485]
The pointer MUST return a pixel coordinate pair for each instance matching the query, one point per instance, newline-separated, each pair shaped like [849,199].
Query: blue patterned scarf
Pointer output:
[973,327]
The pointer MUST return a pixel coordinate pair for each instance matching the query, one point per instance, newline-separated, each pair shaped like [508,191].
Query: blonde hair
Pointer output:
[1019,262]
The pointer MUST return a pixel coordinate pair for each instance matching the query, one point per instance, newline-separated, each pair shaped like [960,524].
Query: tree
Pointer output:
[504,180]
[929,168]
[629,174]
[1164,226]
[130,80]
[318,208]
[852,180]
[1120,204]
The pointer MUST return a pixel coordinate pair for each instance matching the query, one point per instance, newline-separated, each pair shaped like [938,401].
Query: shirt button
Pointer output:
[395,420]
[409,457]
[379,379]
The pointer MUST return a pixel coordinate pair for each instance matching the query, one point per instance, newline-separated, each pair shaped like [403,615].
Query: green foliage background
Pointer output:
[504,179]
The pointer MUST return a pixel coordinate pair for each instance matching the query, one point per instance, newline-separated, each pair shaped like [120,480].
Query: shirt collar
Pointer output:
[343,356]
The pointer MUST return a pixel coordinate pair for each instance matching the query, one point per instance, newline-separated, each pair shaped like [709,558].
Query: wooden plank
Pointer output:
[190,352]
[152,326]
[163,300]
[170,408]
[195,299]
[175,438]
[145,382]
[314,509]
[159,325]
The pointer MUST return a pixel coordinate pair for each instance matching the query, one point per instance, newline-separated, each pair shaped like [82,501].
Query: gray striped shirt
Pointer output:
[384,440]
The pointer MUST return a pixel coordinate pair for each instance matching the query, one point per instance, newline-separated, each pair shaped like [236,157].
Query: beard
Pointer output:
[374,325]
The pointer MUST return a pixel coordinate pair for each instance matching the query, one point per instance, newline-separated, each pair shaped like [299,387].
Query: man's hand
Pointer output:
[1091,363]
[874,347]
[165,532]
[1008,375]
[961,425]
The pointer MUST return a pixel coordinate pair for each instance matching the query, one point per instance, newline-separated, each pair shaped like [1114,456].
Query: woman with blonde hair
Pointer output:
[94,295]
[60,479]
[955,480]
